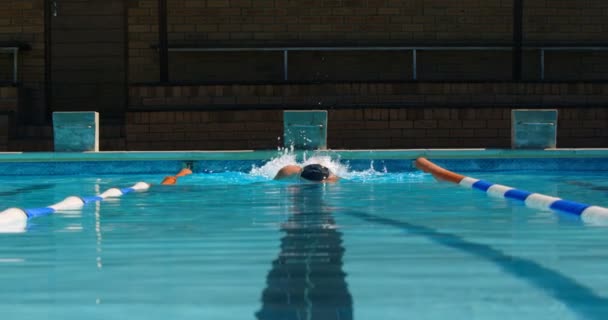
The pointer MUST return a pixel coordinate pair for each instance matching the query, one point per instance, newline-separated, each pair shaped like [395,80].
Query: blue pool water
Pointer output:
[386,242]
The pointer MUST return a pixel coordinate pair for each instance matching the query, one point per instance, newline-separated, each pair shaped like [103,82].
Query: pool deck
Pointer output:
[268,154]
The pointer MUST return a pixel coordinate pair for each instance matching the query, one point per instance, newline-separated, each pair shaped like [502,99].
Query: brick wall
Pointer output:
[9,100]
[569,21]
[263,22]
[40,138]
[421,115]
[361,128]
[454,128]
[204,130]
[142,17]
[23,20]
[4,131]
[565,20]
[284,22]
[88,57]
[341,95]
[6,70]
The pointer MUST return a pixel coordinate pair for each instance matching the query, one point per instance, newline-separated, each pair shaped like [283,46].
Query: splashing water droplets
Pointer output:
[287,157]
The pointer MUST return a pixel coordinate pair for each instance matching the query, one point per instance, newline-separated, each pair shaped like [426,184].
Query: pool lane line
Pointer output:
[588,213]
[15,219]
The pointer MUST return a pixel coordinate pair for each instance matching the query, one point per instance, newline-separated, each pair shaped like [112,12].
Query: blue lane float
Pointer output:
[588,213]
[15,219]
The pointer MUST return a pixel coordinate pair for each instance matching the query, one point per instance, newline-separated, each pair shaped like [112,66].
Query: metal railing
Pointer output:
[563,48]
[15,52]
[14,47]
[413,49]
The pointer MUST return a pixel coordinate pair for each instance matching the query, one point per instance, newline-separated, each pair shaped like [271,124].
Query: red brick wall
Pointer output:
[23,20]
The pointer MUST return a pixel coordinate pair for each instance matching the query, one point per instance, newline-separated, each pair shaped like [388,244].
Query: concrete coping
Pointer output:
[405,154]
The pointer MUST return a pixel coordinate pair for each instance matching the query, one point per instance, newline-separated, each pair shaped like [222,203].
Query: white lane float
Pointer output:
[15,219]
[588,213]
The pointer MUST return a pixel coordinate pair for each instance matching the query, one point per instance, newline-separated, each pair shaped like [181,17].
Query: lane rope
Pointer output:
[15,219]
[588,213]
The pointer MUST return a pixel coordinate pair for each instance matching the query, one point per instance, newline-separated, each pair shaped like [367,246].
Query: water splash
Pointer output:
[374,173]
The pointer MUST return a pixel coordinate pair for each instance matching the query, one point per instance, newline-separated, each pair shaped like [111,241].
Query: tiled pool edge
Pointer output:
[268,154]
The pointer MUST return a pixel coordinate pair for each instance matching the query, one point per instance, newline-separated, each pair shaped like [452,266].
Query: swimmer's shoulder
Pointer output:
[288,171]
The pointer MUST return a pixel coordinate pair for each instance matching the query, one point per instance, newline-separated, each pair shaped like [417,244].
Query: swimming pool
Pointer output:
[387,242]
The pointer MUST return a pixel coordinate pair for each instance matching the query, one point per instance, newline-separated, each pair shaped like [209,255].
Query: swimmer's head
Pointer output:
[315,172]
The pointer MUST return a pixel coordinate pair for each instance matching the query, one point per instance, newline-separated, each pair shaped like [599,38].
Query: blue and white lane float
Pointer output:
[588,213]
[15,219]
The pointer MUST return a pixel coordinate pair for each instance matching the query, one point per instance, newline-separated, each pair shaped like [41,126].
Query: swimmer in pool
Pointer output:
[311,172]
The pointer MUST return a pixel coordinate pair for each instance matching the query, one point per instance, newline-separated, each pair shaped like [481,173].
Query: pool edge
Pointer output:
[268,154]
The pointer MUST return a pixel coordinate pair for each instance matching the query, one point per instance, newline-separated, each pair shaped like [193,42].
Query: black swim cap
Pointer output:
[315,172]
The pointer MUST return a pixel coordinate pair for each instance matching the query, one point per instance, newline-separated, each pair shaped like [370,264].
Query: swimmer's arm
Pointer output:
[288,172]
[173,179]
[332,178]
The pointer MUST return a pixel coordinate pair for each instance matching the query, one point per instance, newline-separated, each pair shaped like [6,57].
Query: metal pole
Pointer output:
[517,38]
[414,64]
[48,58]
[542,64]
[285,65]
[15,64]
[163,42]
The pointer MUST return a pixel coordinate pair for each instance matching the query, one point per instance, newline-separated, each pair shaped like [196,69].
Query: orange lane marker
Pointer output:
[438,172]
[169,180]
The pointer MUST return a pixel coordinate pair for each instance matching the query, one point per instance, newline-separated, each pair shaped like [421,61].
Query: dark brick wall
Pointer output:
[204,130]
[88,57]
[361,128]
[284,22]
[565,20]
[9,99]
[9,102]
[421,115]
[455,128]
[23,20]
[263,22]
[340,95]
[416,111]
[142,31]
[6,70]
